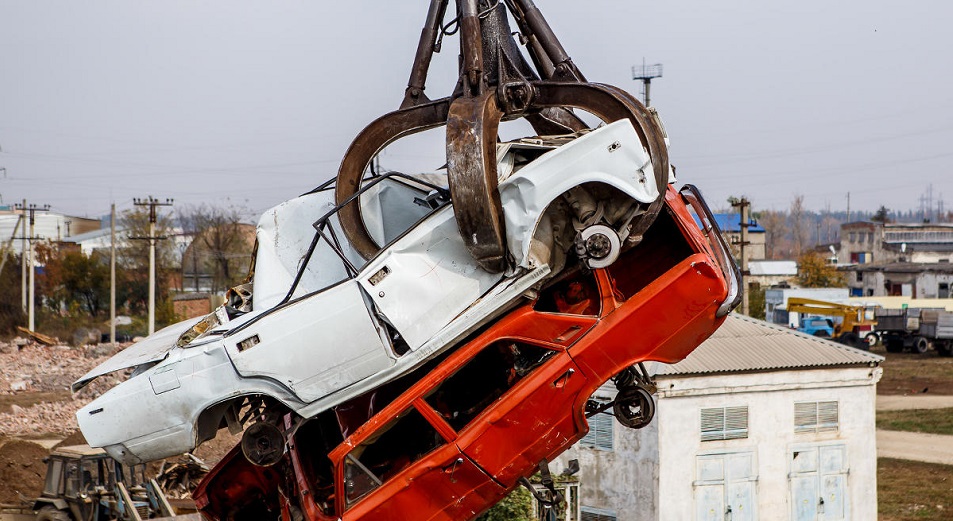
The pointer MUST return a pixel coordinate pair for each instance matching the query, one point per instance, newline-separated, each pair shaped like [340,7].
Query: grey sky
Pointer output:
[256,101]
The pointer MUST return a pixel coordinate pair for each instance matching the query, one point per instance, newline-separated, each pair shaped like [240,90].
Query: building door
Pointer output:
[819,483]
[725,487]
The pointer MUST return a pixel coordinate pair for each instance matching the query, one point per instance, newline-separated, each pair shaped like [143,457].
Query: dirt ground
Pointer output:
[36,407]
[909,374]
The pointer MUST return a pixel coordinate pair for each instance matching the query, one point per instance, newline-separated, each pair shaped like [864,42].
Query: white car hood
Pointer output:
[151,349]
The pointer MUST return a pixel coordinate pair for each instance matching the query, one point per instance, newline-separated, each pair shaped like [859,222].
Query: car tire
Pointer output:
[51,513]
[872,339]
[920,345]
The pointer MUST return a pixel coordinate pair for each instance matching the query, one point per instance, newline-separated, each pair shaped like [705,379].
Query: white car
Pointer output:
[325,325]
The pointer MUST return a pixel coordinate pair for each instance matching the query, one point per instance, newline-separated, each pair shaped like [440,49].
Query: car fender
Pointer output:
[603,156]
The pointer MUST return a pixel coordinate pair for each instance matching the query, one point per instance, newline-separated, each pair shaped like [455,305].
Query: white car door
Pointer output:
[314,346]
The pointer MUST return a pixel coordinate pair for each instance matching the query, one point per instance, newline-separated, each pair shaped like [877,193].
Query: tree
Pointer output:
[881,215]
[773,223]
[797,224]
[71,278]
[813,271]
[221,244]
[517,506]
[11,310]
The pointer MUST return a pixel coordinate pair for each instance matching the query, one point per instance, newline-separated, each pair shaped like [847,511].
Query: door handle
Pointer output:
[453,468]
[560,382]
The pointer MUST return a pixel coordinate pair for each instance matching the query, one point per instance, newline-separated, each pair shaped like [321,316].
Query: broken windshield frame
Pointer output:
[324,228]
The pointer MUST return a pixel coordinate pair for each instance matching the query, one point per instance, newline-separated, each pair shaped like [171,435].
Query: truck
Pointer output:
[853,329]
[915,329]
[817,326]
[85,484]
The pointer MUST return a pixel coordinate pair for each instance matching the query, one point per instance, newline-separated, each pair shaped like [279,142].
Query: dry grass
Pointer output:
[933,421]
[913,491]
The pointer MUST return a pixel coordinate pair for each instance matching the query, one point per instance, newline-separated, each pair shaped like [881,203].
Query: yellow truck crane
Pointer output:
[854,329]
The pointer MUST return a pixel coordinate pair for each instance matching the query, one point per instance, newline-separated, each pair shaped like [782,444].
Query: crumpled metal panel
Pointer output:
[606,155]
[151,349]
[426,279]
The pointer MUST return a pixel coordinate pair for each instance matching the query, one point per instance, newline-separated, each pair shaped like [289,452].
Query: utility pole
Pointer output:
[152,204]
[32,209]
[23,258]
[112,274]
[743,204]
[646,73]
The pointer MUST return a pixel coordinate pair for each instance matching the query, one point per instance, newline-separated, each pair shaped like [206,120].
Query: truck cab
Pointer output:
[817,326]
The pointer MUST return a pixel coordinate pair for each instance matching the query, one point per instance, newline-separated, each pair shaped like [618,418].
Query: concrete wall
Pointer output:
[624,480]
[770,399]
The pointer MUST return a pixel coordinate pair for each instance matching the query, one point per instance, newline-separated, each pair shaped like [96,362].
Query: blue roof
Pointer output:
[731,222]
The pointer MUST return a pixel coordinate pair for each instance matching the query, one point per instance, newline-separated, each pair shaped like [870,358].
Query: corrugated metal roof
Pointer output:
[746,344]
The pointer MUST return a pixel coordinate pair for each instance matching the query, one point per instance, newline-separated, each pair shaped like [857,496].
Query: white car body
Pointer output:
[327,338]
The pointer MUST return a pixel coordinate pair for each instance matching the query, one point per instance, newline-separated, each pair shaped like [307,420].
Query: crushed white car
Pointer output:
[324,325]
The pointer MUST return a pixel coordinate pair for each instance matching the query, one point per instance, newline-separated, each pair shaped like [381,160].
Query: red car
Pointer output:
[457,435]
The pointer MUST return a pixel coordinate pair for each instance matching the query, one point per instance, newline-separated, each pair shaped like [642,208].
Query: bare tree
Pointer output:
[797,224]
[773,223]
[221,244]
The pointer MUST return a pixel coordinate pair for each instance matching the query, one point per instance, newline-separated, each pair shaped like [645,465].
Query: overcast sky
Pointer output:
[254,102]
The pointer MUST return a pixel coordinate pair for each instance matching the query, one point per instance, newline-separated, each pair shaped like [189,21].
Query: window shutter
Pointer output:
[816,417]
[600,435]
[724,423]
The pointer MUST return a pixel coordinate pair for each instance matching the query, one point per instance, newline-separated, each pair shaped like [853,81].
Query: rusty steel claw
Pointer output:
[471,170]
[495,83]
[368,143]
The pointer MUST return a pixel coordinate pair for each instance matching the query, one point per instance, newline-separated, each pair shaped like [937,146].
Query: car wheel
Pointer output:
[872,339]
[634,407]
[51,513]
[921,345]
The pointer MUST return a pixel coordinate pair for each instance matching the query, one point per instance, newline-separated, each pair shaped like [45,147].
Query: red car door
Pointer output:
[407,469]
[515,403]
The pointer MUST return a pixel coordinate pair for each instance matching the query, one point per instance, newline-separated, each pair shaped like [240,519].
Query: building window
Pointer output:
[815,417]
[860,276]
[724,423]
[596,514]
[853,237]
[943,291]
[600,432]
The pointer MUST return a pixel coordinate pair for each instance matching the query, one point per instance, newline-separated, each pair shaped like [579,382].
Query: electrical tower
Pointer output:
[27,257]
[152,203]
[646,73]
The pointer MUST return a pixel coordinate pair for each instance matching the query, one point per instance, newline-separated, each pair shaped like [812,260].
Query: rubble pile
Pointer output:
[34,386]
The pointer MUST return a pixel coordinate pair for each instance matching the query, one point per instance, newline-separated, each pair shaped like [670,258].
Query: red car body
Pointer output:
[464,432]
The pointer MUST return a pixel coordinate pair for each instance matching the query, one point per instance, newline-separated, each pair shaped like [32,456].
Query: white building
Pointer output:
[758,423]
